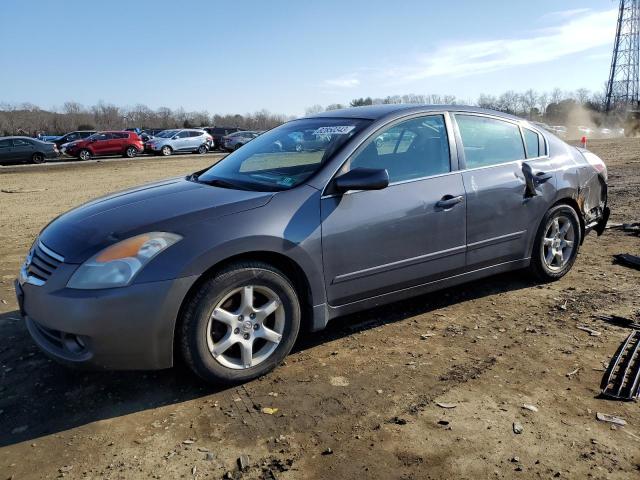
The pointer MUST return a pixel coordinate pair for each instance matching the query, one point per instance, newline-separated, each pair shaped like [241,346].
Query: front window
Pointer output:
[167,133]
[411,149]
[285,156]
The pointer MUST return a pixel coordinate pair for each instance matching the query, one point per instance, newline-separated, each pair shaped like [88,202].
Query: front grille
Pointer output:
[42,263]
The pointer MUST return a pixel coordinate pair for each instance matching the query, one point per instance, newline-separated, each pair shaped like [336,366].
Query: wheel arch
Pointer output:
[573,203]
[285,264]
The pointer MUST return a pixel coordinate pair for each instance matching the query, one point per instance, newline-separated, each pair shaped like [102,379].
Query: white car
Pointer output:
[179,140]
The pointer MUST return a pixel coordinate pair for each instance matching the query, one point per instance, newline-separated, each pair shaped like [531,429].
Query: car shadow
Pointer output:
[40,397]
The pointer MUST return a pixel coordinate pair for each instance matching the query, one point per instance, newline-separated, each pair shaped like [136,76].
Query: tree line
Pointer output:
[555,107]
[28,119]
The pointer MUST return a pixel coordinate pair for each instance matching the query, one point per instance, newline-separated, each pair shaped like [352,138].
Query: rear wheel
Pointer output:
[37,158]
[166,151]
[130,152]
[557,242]
[238,145]
[240,324]
[84,155]
[202,149]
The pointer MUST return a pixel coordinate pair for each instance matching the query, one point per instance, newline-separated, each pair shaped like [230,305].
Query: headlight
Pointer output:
[117,265]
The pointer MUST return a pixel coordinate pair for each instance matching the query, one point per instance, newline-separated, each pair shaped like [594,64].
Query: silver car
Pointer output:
[185,140]
[235,140]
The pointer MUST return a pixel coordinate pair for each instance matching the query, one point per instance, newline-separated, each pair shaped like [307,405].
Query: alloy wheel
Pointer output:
[245,327]
[558,243]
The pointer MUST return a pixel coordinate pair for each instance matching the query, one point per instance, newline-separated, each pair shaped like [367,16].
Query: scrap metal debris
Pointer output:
[627,260]
[590,331]
[605,417]
[621,381]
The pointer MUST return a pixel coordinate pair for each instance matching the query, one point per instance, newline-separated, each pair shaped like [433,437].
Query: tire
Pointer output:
[84,155]
[37,158]
[201,333]
[130,152]
[166,151]
[552,243]
[238,145]
[202,149]
[298,147]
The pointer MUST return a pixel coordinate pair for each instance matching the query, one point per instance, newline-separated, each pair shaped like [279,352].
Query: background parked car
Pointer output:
[218,132]
[127,144]
[72,137]
[25,149]
[235,140]
[149,133]
[179,140]
[559,130]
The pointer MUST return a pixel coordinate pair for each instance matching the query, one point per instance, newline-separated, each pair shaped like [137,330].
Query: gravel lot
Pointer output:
[363,399]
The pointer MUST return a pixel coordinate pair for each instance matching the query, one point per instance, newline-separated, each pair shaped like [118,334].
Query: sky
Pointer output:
[284,56]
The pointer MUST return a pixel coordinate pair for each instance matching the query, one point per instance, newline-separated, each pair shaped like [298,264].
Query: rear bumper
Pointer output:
[129,328]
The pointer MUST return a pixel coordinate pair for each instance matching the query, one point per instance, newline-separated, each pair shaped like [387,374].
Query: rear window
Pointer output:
[489,141]
[5,143]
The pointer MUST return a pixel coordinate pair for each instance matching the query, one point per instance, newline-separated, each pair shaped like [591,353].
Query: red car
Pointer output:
[127,144]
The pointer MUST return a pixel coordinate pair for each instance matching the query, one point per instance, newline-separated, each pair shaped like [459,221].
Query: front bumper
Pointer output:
[128,328]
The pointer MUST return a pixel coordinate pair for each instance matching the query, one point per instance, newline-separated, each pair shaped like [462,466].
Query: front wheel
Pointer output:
[556,245]
[240,324]
[37,158]
[166,151]
[84,155]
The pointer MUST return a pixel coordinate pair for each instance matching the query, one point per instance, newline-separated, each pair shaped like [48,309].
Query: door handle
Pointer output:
[449,201]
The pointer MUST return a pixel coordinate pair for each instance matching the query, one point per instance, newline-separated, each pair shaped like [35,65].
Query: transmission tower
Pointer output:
[623,86]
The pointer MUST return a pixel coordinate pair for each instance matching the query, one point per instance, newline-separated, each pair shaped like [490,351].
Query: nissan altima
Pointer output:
[225,266]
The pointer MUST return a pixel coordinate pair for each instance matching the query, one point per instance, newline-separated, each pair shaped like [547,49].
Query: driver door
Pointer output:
[409,233]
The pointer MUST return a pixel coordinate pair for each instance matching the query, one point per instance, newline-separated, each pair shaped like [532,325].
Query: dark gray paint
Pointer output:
[356,250]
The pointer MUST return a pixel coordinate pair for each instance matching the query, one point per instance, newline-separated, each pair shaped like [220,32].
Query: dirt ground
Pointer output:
[359,400]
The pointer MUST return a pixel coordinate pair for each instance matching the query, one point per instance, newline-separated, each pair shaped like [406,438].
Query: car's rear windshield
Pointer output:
[286,156]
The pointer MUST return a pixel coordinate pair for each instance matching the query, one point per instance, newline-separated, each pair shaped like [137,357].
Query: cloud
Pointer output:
[579,33]
[346,81]
[563,14]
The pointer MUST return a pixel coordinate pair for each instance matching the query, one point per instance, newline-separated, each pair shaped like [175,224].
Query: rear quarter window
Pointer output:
[532,141]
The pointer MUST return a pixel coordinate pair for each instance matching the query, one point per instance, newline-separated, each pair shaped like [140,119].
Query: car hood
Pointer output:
[169,205]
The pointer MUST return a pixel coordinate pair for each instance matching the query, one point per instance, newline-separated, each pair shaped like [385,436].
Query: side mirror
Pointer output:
[362,179]
[175,137]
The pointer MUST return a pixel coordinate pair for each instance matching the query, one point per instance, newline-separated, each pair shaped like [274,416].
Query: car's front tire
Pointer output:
[556,245]
[240,324]
[37,158]
[84,155]
[166,151]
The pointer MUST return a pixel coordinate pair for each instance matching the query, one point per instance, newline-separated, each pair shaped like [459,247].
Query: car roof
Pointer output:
[377,112]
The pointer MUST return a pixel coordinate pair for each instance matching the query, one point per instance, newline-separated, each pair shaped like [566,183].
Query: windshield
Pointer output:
[285,156]
[167,133]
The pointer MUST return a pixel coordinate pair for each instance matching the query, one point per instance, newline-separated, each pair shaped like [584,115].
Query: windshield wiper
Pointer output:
[218,182]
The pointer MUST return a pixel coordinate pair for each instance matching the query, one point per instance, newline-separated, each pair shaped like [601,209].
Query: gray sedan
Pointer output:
[225,266]
[26,149]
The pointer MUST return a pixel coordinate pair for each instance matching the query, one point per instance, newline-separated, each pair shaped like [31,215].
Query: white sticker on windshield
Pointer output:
[337,130]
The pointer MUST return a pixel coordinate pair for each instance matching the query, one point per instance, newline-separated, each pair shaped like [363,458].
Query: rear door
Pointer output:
[376,242]
[503,213]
